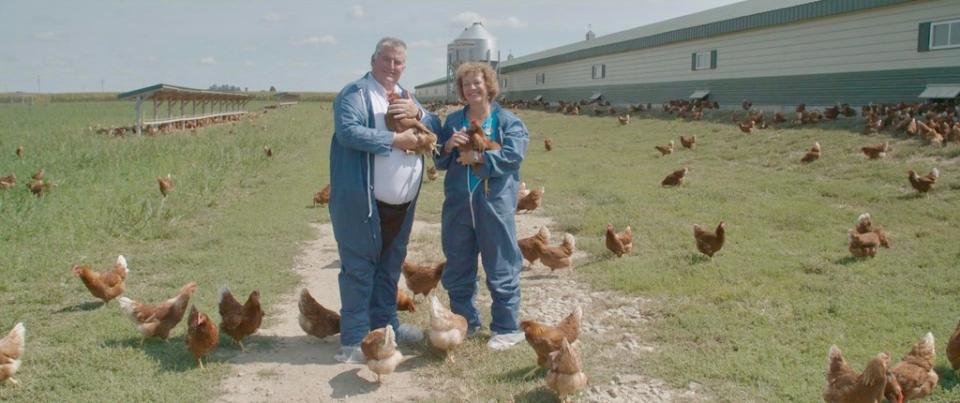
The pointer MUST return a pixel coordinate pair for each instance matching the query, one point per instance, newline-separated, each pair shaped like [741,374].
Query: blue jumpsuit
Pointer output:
[368,275]
[475,222]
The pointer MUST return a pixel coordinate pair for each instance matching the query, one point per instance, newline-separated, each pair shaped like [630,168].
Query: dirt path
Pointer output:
[283,364]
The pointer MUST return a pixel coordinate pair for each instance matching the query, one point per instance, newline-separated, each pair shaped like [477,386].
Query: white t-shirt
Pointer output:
[396,176]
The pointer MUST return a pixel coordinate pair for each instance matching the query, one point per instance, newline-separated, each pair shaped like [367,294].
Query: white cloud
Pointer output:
[356,12]
[208,60]
[271,17]
[467,18]
[317,40]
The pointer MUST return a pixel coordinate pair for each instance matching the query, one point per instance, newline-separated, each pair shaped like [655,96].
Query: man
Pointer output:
[373,192]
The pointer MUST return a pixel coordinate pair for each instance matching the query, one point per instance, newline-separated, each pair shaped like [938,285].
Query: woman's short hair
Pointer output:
[489,78]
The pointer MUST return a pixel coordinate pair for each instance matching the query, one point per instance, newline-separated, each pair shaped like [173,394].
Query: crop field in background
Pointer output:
[752,324]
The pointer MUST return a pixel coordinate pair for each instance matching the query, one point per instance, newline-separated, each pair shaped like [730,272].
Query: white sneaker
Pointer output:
[505,340]
[409,334]
[350,355]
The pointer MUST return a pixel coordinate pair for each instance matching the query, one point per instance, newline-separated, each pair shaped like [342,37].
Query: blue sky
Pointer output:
[68,46]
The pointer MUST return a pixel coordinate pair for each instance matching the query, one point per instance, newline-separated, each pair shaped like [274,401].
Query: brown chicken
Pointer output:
[915,371]
[746,126]
[665,149]
[322,197]
[239,321]
[156,320]
[710,242]
[478,142]
[548,144]
[813,154]
[316,320]
[565,375]
[688,143]
[11,351]
[432,174]
[421,279]
[9,181]
[529,245]
[380,349]
[923,184]
[675,178]
[624,119]
[405,302]
[105,285]
[202,335]
[557,257]
[546,339]
[166,184]
[40,188]
[39,175]
[876,151]
[20,152]
[532,201]
[447,330]
[268,151]
[619,243]
[863,245]
[892,391]
[953,348]
[396,124]
[865,225]
[844,385]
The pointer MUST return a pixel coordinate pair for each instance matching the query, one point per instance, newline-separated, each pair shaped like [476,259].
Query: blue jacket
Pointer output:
[501,167]
[355,142]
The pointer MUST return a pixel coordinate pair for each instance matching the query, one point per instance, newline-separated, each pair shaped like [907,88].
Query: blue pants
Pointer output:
[489,230]
[368,281]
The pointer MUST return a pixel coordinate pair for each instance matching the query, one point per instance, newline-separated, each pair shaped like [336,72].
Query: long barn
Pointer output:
[773,52]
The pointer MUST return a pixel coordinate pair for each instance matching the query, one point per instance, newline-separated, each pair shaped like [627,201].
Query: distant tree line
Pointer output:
[225,88]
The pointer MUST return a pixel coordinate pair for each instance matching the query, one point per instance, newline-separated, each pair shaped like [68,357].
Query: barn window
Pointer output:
[598,71]
[503,83]
[705,60]
[541,78]
[945,34]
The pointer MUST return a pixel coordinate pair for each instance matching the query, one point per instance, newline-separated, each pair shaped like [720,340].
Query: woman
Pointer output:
[480,191]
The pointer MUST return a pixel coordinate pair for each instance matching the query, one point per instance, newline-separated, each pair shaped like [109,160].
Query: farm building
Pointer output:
[204,105]
[773,52]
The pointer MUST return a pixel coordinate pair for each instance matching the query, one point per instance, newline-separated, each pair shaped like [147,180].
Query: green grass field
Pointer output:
[752,324]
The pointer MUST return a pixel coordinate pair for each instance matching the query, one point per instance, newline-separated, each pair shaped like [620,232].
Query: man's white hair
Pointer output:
[389,42]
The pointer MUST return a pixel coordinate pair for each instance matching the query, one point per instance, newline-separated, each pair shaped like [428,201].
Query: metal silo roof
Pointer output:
[476,31]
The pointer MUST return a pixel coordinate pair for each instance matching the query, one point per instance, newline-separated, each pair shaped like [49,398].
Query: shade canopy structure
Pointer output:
[699,94]
[204,104]
[940,91]
[287,98]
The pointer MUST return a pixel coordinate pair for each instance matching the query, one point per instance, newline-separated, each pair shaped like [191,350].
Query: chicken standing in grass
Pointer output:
[268,151]
[546,339]
[558,257]
[619,243]
[865,225]
[322,197]
[690,143]
[675,178]
[813,154]
[166,184]
[710,242]
[530,246]
[105,285]
[239,321]
[11,353]
[915,372]
[665,149]
[624,119]
[202,335]
[316,320]
[862,245]
[157,320]
[380,349]
[9,181]
[844,385]
[953,348]
[876,151]
[20,152]
[548,144]
[531,201]
[923,184]
[447,330]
